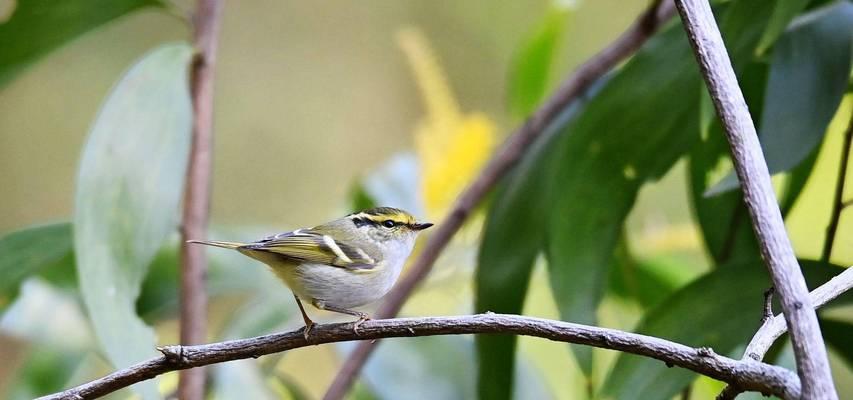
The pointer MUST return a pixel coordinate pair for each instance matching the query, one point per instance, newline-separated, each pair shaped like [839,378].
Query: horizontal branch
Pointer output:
[746,374]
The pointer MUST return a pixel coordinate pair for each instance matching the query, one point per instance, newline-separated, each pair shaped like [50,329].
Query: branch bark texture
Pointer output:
[628,43]
[751,168]
[748,374]
[197,195]
[771,329]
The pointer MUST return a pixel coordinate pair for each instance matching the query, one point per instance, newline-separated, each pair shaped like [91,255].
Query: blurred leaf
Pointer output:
[46,370]
[241,379]
[808,76]
[45,314]
[435,367]
[723,219]
[697,315]
[128,190]
[530,65]
[618,151]
[396,183]
[295,391]
[26,252]
[359,198]
[158,295]
[648,281]
[783,13]
[39,26]
[796,182]
[513,236]
[837,334]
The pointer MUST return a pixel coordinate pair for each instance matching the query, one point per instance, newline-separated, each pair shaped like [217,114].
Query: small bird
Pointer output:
[342,264]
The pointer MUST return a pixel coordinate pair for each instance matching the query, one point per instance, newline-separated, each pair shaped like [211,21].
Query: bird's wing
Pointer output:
[305,245]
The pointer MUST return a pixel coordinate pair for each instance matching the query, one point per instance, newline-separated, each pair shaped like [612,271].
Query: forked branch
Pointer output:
[751,168]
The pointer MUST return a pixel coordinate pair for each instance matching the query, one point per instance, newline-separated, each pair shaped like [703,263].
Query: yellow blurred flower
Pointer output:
[451,146]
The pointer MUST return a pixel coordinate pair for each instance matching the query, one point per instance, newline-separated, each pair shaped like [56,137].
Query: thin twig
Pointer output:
[752,375]
[716,68]
[197,195]
[772,328]
[768,305]
[837,203]
[509,154]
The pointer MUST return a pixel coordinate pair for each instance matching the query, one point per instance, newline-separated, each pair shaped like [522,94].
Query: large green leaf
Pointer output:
[529,67]
[512,239]
[723,219]
[129,187]
[837,334]
[620,141]
[39,26]
[808,76]
[783,13]
[26,252]
[648,281]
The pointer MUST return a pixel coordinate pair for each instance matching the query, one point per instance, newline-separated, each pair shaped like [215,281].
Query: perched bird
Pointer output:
[342,264]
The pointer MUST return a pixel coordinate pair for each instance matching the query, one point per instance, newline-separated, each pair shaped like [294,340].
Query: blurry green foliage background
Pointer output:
[312,97]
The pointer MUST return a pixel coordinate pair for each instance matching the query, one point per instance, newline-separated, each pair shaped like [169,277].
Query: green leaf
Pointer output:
[837,334]
[783,13]
[808,76]
[723,219]
[360,199]
[620,141]
[129,187]
[697,315]
[38,26]
[512,238]
[27,252]
[46,370]
[796,182]
[530,65]
[648,281]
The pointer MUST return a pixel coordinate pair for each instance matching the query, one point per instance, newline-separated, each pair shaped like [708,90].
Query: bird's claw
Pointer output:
[356,324]
[307,330]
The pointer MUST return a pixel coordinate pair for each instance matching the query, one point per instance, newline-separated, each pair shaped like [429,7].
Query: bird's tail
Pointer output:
[216,243]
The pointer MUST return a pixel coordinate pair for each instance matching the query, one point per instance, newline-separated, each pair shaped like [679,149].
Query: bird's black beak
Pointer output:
[419,226]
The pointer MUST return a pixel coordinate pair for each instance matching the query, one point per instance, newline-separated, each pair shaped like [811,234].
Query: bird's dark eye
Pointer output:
[388,223]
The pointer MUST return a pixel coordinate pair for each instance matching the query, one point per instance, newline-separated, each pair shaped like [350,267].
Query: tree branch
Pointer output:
[197,193]
[503,161]
[752,375]
[772,328]
[716,68]
[838,202]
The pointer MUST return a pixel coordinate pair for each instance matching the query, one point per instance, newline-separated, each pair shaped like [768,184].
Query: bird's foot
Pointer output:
[307,330]
[361,318]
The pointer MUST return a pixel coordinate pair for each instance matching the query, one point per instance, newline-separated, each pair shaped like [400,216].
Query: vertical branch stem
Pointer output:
[197,195]
[716,68]
[838,203]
